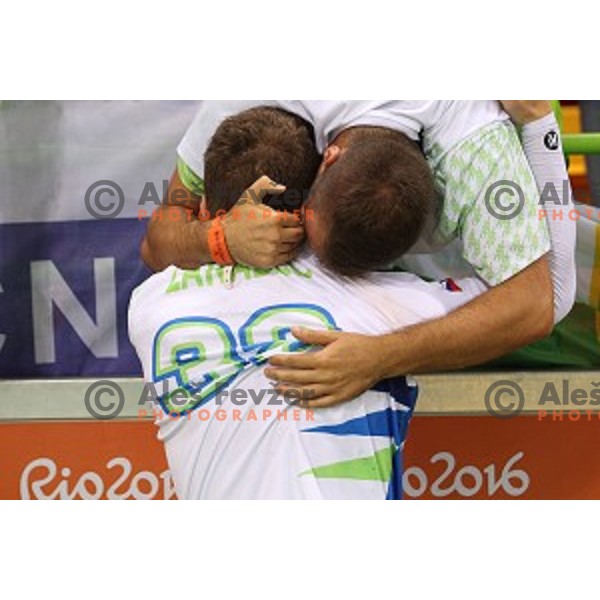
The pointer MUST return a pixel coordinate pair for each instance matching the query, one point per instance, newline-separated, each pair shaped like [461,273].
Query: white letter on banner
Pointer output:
[48,288]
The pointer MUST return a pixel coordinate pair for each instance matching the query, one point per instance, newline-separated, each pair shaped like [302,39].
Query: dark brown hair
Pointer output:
[373,201]
[260,141]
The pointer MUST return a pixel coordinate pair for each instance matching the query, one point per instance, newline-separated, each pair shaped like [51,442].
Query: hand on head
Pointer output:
[258,235]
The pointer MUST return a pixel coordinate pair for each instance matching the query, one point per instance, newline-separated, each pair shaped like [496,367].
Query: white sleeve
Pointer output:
[541,142]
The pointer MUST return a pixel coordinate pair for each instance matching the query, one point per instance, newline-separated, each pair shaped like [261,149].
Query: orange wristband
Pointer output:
[217,245]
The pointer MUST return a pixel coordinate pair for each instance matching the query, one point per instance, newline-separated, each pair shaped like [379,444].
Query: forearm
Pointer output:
[176,236]
[507,317]
[544,153]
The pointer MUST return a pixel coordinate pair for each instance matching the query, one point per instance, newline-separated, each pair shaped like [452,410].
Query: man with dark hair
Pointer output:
[285,151]
[370,209]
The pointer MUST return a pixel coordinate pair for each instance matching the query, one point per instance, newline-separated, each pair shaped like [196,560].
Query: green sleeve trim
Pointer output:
[190,180]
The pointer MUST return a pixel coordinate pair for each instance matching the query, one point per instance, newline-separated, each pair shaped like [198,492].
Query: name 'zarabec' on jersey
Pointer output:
[203,337]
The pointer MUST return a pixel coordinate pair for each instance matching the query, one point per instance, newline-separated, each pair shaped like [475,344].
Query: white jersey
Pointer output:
[203,338]
[438,124]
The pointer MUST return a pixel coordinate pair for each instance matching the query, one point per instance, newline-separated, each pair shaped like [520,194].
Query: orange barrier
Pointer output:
[451,457]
